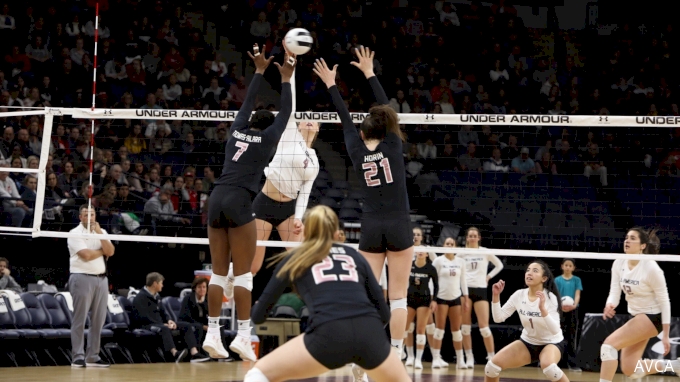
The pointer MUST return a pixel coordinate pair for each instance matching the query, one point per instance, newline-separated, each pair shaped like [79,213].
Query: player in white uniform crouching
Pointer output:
[644,285]
[539,310]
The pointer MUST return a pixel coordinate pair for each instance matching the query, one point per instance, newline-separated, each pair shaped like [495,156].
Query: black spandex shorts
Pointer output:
[450,303]
[380,233]
[272,211]
[360,340]
[416,301]
[478,294]
[535,350]
[656,320]
[230,207]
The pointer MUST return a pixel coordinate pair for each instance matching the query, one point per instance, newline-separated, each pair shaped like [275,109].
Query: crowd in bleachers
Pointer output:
[153,176]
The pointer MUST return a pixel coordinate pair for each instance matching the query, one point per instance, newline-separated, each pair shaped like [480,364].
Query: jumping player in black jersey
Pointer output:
[421,302]
[231,221]
[377,154]
[341,330]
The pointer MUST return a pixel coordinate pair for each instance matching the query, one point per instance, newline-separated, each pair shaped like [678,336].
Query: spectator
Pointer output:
[160,208]
[469,161]
[399,103]
[467,136]
[89,287]
[495,163]
[545,164]
[7,282]
[511,151]
[594,164]
[11,202]
[261,28]
[195,307]
[523,164]
[147,313]
[565,161]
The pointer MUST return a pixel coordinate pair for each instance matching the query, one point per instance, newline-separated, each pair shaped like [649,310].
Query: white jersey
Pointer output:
[294,166]
[451,275]
[538,330]
[477,267]
[644,286]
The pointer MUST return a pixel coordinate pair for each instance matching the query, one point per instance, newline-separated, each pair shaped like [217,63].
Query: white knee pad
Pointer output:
[438,334]
[398,304]
[429,329]
[421,339]
[255,375]
[457,336]
[244,281]
[220,281]
[608,353]
[553,372]
[411,328]
[485,332]
[466,329]
[492,370]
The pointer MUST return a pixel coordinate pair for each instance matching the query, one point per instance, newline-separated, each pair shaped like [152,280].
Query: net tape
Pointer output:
[452,119]
[431,119]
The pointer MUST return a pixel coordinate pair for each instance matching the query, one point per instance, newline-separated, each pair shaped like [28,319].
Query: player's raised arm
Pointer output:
[365,64]
[287,71]
[261,64]
[327,75]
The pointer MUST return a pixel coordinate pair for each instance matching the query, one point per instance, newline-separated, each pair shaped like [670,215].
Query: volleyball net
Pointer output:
[136,152]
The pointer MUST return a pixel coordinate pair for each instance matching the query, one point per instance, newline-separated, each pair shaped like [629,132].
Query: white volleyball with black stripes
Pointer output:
[299,41]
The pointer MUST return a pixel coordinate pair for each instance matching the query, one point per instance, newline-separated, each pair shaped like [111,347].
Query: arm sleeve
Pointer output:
[435,282]
[552,320]
[614,286]
[275,131]
[500,314]
[352,138]
[463,281]
[497,266]
[375,293]
[303,198]
[272,293]
[658,283]
[378,91]
[246,110]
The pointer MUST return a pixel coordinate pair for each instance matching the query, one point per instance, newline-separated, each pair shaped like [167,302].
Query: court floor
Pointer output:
[234,371]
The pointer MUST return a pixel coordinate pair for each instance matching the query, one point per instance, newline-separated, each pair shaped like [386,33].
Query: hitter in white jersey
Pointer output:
[539,309]
[477,280]
[453,294]
[290,178]
[644,285]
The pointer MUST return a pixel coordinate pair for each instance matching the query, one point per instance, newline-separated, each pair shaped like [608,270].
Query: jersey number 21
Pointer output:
[371,170]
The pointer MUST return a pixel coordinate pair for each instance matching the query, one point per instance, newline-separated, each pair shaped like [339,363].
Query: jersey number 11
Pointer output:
[372,170]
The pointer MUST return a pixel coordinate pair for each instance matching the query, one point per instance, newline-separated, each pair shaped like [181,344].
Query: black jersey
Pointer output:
[420,280]
[247,151]
[341,286]
[381,171]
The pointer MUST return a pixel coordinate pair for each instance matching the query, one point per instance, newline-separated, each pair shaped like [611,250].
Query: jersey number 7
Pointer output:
[321,275]
[242,147]
[372,170]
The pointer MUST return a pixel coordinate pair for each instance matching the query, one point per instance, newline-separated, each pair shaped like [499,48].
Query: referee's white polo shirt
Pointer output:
[76,244]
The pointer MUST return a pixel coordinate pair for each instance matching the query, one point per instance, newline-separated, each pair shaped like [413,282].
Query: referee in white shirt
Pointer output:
[89,288]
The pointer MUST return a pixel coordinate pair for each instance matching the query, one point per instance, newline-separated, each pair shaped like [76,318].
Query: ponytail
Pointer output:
[321,223]
[550,285]
[381,120]
[649,238]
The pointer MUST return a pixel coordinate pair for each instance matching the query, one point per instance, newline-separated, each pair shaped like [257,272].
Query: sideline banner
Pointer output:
[595,329]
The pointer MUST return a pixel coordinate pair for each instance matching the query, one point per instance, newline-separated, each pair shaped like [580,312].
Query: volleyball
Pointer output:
[299,41]
[566,300]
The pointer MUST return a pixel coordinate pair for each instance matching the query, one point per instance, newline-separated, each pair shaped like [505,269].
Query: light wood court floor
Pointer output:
[234,371]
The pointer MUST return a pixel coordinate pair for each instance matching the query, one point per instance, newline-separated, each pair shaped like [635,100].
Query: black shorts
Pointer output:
[416,301]
[450,303]
[360,340]
[272,211]
[381,233]
[535,350]
[478,294]
[656,320]
[230,207]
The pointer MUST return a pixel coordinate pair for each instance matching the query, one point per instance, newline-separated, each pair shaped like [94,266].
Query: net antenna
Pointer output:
[90,188]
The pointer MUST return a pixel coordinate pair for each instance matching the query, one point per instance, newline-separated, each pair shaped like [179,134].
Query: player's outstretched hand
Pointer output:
[609,311]
[498,287]
[325,74]
[287,68]
[365,63]
[541,299]
[261,63]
